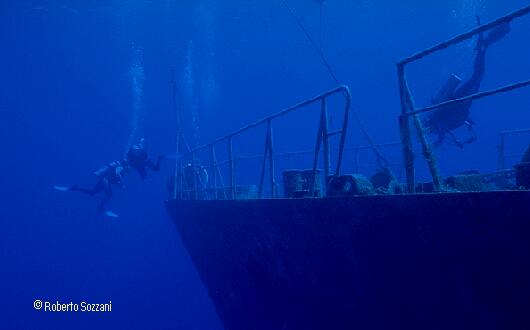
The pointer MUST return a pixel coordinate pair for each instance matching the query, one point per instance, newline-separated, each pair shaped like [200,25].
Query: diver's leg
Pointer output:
[92,191]
[108,194]
[480,40]
[472,86]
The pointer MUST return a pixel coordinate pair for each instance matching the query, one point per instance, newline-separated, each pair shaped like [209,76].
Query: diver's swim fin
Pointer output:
[495,35]
[111,214]
[62,188]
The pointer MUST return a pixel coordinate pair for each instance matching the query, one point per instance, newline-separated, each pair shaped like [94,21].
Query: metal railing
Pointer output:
[186,189]
[357,165]
[409,109]
[502,146]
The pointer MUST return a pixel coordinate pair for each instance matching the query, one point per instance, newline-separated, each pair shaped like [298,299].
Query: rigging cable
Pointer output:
[176,113]
[321,14]
[381,160]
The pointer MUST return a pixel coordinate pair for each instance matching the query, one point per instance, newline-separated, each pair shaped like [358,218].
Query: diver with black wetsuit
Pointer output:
[107,176]
[138,158]
[446,119]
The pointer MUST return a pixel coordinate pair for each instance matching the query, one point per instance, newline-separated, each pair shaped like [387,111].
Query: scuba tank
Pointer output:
[103,171]
[447,90]
[110,171]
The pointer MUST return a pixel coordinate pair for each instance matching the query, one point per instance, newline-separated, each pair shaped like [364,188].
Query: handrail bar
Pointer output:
[515,131]
[307,152]
[468,35]
[342,88]
[472,97]
[513,156]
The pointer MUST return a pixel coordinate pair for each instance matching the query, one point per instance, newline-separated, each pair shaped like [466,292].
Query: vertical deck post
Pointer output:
[214,170]
[426,147]
[177,168]
[178,189]
[315,160]
[264,163]
[232,172]
[271,158]
[221,182]
[427,151]
[325,137]
[195,178]
[344,130]
[428,154]
[356,161]
[404,126]
[502,152]
[178,132]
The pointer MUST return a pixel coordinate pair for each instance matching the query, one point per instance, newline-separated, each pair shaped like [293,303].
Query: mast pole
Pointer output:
[176,112]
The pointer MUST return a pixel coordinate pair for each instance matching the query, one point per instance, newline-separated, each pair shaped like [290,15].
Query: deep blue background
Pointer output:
[66,105]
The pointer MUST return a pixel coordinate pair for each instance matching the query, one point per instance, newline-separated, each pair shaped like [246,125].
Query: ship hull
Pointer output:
[433,261]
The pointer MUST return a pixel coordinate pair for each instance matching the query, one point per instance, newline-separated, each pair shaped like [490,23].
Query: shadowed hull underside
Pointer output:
[436,261]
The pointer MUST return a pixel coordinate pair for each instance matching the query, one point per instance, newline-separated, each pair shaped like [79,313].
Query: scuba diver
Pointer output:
[107,176]
[195,179]
[198,177]
[138,159]
[444,120]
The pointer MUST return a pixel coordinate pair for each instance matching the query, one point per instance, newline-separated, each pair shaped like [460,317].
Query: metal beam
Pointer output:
[468,35]
[471,97]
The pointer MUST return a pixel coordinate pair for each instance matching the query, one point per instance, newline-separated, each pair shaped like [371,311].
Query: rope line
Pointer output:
[381,160]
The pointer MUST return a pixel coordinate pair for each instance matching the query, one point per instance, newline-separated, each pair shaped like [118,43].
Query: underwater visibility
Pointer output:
[263,165]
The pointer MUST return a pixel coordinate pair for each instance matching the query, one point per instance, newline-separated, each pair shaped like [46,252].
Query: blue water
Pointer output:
[82,80]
